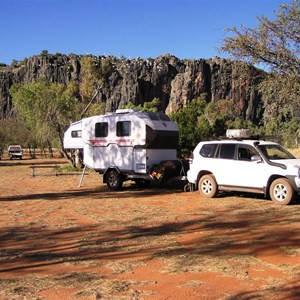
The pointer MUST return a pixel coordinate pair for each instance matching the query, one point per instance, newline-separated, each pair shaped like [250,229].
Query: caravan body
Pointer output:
[130,141]
[73,136]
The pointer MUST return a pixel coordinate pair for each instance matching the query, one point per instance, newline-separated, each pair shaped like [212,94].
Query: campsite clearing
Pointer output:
[59,241]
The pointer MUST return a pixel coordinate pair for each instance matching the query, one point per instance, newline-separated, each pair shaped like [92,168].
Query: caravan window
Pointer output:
[101,129]
[124,128]
[76,134]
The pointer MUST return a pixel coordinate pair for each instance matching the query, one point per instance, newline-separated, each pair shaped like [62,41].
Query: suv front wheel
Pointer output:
[207,186]
[281,191]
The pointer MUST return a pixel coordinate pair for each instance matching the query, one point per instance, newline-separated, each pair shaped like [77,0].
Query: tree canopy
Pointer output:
[274,45]
[201,120]
[46,108]
[147,106]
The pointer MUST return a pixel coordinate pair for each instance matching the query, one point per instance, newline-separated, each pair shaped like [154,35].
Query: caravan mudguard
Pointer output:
[109,169]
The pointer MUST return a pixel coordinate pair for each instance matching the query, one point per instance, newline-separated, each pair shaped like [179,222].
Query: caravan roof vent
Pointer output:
[238,133]
[125,111]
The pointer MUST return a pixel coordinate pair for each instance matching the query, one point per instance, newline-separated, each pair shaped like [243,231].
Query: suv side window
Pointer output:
[245,153]
[227,151]
[208,150]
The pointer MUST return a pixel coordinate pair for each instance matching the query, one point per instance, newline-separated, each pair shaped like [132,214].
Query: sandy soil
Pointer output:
[61,241]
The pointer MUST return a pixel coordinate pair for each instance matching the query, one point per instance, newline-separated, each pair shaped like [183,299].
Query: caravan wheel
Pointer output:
[114,180]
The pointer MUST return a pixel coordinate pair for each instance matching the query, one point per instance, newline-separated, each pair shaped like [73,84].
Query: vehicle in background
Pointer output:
[15,151]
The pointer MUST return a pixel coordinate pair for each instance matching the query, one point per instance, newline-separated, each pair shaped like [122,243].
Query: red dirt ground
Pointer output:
[61,241]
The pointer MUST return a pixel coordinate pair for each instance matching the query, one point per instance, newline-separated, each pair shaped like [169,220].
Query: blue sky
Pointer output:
[132,28]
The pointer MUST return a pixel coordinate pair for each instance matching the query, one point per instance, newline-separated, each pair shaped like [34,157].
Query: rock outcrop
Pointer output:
[173,81]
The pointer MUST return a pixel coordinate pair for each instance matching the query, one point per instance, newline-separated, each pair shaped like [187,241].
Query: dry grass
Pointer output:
[295,152]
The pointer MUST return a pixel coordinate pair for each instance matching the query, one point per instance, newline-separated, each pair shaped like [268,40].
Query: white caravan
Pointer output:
[125,145]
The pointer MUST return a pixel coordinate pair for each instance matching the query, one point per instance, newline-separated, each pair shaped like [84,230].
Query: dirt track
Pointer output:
[59,241]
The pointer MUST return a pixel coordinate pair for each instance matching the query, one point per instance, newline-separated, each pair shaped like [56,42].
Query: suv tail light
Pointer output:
[191,158]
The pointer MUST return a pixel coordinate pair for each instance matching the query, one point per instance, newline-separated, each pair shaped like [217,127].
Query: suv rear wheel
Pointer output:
[281,191]
[207,186]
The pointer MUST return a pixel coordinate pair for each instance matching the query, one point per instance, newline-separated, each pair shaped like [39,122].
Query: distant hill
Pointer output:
[174,81]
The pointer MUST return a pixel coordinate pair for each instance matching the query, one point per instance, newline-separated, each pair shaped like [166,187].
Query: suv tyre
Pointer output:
[281,191]
[207,186]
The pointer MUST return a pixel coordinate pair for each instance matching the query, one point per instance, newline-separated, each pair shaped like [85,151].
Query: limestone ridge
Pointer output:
[174,81]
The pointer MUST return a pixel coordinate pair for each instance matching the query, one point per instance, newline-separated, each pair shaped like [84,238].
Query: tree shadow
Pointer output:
[28,249]
[289,291]
[101,192]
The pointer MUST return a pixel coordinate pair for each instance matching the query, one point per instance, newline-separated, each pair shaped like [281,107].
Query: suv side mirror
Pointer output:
[256,158]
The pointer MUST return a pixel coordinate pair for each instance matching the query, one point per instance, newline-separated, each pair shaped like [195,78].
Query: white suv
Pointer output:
[15,151]
[245,165]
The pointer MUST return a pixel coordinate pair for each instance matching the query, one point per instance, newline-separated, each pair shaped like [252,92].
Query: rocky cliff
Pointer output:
[173,81]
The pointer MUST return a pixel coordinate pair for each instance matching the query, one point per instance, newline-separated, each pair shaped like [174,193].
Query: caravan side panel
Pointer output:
[100,157]
[113,155]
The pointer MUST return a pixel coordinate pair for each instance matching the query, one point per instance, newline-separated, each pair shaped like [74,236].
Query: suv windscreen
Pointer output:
[15,149]
[275,152]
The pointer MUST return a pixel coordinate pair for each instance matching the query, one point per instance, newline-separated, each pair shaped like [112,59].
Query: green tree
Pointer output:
[275,45]
[95,73]
[13,131]
[218,114]
[90,78]
[292,130]
[193,126]
[46,108]
[147,106]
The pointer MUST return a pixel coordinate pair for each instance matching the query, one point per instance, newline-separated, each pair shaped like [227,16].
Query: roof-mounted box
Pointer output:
[238,133]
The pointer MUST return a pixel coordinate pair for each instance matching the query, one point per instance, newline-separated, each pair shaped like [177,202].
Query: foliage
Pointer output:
[95,72]
[147,106]
[96,109]
[280,97]
[274,44]
[90,78]
[200,121]
[13,131]
[44,52]
[46,109]
[193,126]
[218,114]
